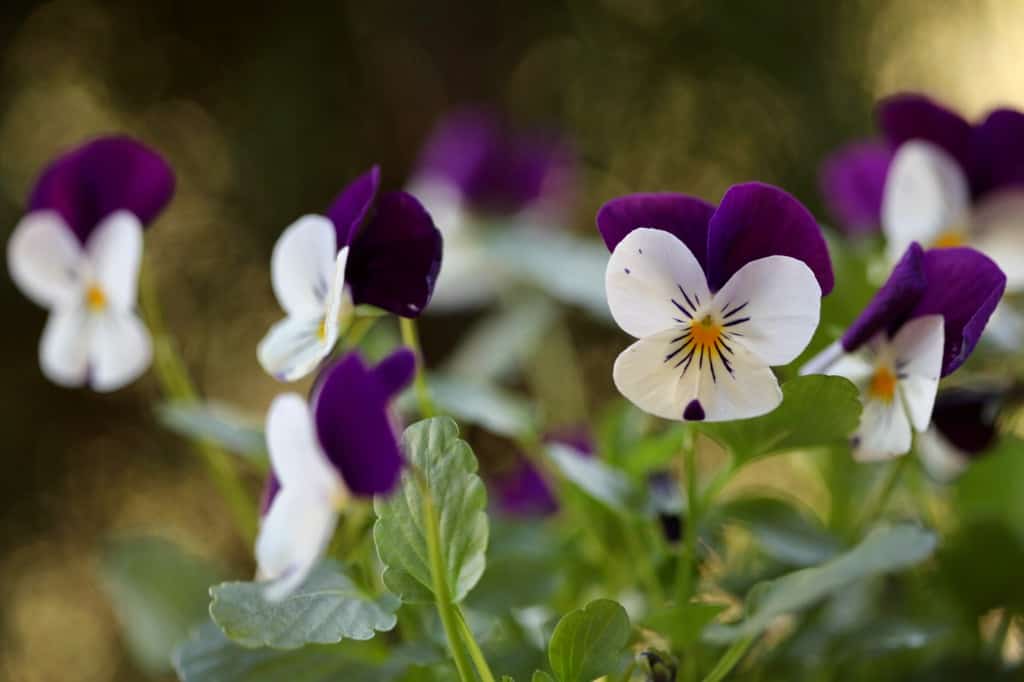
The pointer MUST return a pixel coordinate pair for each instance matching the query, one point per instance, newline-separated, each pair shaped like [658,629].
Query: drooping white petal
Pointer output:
[293,348]
[302,267]
[64,347]
[749,390]
[926,193]
[294,536]
[941,459]
[917,351]
[115,254]
[120,349]
[646,376]
[884,431]
[295,452]
[339,309]
[774,303]
[45,260]
[998,223]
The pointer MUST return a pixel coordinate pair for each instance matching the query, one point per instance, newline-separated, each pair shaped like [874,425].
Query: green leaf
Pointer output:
[587,642]
[217,423]
[158,593]
[990,491]
[816,411]
[884,550]
[446,463]
[326,609]
[541,676]
[595,478]
[683,624]
[478,403]
[784,532]
[507,678]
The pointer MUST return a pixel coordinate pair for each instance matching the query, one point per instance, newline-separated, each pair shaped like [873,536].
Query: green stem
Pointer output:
[998,642]
[176,384]
[881,499]
[358,330]
[445,608]
[729,659]
[685,583]
[411,339]
[474,649]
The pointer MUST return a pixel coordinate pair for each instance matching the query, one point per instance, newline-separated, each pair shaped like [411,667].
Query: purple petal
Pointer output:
[892,305]
[756,220]
[915,117]
[395,258]
[964,287]
[524,492]
[350,409]
[100,177]
[271,487]
[395,371]
[351,207]
[997,152]
[684,216]
[853,181]
[967,418]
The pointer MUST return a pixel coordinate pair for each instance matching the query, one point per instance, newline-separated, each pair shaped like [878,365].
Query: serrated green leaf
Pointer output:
[816,411]
[486,405]
[158,593]
[587,642]
[595,478]
[433,449]
[326,609]
[884,550]
[541,676]
[217,423]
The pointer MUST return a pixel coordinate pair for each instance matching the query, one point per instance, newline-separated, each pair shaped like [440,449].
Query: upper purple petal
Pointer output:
[108,174]
[893,303]
[395,371]
[997,152]
[916,117]
[853,182]
[684,216]
[350,409]
[756,220]
[353,205]
[395,258]
[964,286]
[967,418]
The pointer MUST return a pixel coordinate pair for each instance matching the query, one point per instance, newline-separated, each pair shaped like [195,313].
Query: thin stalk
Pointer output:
[176,384]
[729,659]
[998,641]
[359,329]
[474,649]
[411,339]
[881,499]
[685,574]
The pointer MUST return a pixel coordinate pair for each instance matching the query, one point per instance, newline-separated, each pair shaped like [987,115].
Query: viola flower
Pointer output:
[921,325]
[523,491]
[380,250]
[475,174]
[853,184]
[963,429]
[340,444]
[77,253]
[715,296]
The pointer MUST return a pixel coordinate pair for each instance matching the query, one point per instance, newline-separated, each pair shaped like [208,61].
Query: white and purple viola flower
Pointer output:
[474,174]
[716,296]
[920,326]
[963,429]
[341,443]
[77,253]
[370,248]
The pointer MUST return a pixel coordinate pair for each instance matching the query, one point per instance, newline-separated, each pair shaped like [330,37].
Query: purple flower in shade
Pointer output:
[77,253]
[921,325]
[853,183]
[963,429]
[378,249]
[340,444]
[475,171]
[715,296]
[523,491]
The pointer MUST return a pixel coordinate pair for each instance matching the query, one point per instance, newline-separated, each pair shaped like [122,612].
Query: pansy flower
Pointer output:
[964,427]
[716,296]
[523,491]
[378,249]
[921,325]
[342,443]
[475,173]
[77,253]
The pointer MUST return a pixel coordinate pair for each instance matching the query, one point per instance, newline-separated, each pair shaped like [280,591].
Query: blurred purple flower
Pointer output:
[853,183]
[77,253]
[963,429]
[523,491]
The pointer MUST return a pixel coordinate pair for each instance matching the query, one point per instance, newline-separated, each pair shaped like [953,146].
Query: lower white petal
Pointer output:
[999,233]
[45,260]
[940,458]
[650,380]
[64,347]
[749,390]
[120,350]
[294,536]
[884,431]
[115,254]
[917,350]
[295,452]
[293,348]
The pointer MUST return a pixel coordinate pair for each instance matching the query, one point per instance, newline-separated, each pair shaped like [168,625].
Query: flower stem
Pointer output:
[359,329]
[411,339]
[474,649]
[176,384]
[881,499]
[729,659]
[687,569]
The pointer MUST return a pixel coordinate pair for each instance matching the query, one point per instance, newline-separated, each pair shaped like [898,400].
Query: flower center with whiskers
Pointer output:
[883,384]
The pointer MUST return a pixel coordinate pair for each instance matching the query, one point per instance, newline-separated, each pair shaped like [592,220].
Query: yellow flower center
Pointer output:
[705,332]
[948,239]
[95,299]
[883,385]
[321,331]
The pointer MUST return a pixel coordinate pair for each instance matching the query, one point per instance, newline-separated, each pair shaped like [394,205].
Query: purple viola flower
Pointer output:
[523,490]
[963,429]
[716,296]
[77,253]
[853,183]
[340,444]
[378,249]
[921,325]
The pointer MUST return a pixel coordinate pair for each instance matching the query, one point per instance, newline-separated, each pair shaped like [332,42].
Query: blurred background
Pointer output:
[266,114]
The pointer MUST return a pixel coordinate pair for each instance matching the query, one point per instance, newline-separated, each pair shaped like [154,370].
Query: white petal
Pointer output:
[824,360]
[339,302]
[295,452]
[645,280]
[926,193]
[884,431]
[45,260]
[999,233]
[774,303]
[854,367]
[917,350]
[64,348]
[120,350]
[293,348]
[941,459]
[115,254]
[656,386]
[293,537]
[750,390]
[302,267]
